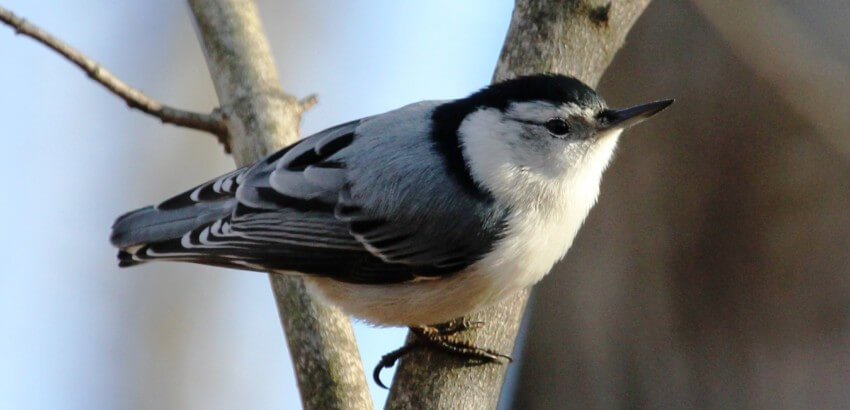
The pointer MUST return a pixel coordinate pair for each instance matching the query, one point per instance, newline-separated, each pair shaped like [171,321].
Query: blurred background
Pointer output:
[713,273]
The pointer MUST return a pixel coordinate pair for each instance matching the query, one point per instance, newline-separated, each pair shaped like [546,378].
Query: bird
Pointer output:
[414,217]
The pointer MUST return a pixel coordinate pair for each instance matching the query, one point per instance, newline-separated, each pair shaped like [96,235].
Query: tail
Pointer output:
[136,232]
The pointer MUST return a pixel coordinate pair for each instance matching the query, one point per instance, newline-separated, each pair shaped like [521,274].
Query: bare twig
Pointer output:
[212,122]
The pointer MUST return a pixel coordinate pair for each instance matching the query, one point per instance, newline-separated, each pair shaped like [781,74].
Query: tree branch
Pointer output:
[576,37]
[262,118]
[212,123]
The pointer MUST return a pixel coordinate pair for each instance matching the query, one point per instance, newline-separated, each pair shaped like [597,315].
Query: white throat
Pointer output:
[548,204]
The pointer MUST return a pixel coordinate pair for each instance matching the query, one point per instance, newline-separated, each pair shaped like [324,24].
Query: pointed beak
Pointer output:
[625,118]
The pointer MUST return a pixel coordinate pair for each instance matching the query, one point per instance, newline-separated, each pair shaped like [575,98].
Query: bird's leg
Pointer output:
[443,337]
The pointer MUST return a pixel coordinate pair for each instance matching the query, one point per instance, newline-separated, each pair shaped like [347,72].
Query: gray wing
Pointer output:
[363,202]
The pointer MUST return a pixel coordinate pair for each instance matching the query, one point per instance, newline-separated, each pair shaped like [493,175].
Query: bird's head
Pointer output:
[550,130]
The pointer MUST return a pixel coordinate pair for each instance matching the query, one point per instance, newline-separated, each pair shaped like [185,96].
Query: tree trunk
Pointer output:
[576,37]
[261,118]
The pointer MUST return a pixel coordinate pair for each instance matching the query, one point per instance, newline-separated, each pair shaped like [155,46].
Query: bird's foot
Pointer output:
[442,337]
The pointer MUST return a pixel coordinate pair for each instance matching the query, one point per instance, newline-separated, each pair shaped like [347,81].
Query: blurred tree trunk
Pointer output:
[714,271]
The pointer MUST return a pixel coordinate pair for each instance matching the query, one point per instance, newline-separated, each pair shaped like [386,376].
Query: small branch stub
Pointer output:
[308,102]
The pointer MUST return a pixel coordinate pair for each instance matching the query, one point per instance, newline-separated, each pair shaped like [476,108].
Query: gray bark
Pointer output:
[576,37]
[261,118]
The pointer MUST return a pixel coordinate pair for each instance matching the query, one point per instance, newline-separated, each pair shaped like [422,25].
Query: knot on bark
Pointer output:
[599,16]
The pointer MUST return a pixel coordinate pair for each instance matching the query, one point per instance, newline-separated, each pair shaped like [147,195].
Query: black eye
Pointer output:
[557,126]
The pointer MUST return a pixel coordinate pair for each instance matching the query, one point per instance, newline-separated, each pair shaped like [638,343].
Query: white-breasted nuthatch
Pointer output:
[412,217]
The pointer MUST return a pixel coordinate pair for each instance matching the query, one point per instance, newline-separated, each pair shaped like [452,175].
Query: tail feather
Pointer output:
[137,230]
[151,224]
[125,259]
[134,231]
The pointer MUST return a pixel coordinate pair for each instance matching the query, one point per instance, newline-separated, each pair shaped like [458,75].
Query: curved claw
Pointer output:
[388,360]
[376,373]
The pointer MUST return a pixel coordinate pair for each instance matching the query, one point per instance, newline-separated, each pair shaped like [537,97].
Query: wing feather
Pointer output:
[322,206]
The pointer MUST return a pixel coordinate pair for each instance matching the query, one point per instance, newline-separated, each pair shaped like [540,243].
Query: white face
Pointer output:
[537,147]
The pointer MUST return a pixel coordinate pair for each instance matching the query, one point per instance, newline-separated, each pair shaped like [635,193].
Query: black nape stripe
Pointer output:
[446,121]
